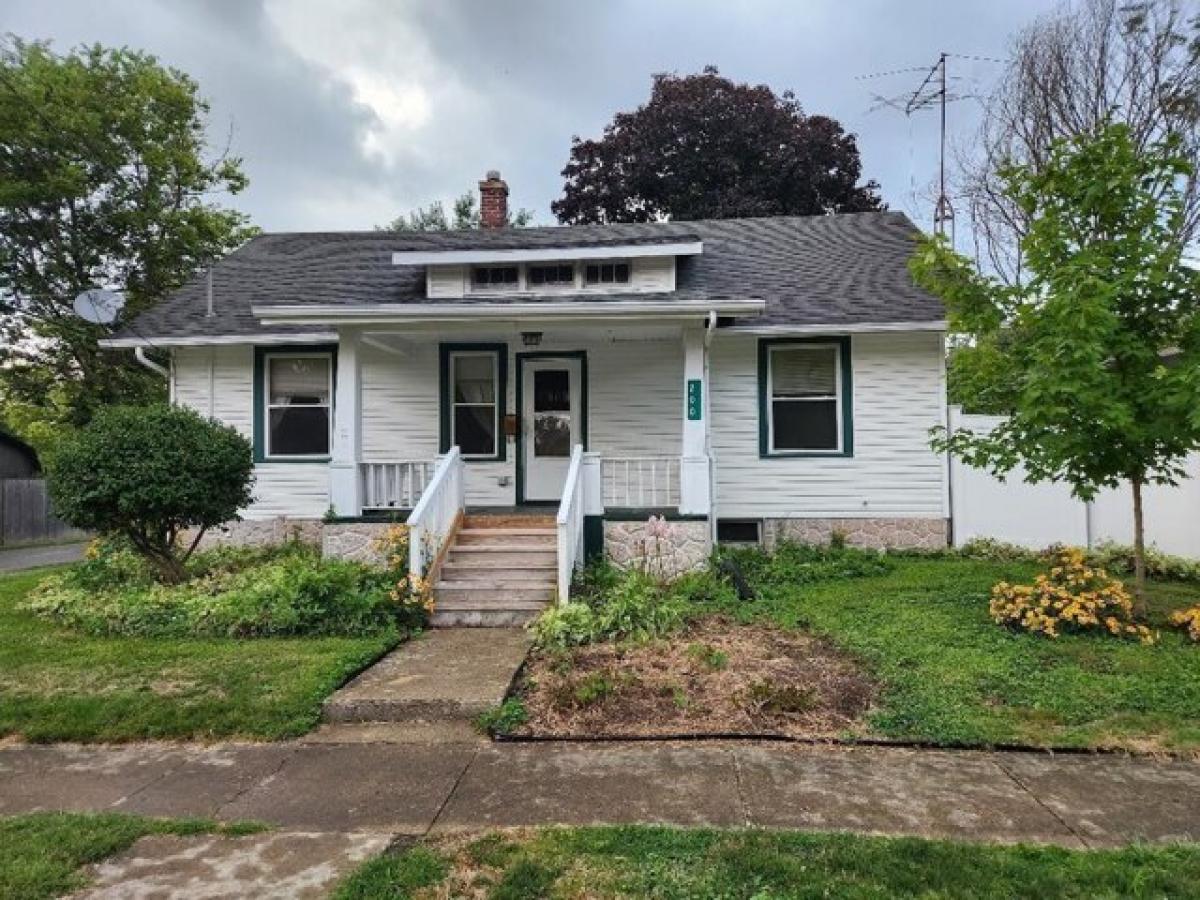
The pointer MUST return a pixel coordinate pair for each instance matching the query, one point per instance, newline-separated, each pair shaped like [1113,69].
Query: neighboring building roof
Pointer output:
[838,270]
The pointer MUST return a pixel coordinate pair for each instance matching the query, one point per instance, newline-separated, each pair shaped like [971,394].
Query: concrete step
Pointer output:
[481,596]
[513,537]
[489,582]
[502,556]
[499,575]
[478,618]
[485,520]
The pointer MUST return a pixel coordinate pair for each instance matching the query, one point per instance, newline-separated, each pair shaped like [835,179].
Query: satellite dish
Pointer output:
[99,306]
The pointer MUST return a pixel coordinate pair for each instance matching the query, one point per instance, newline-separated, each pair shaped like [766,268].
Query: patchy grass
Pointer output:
[57,684]
[41,854]
[712,678]
[950,675]
[665,863]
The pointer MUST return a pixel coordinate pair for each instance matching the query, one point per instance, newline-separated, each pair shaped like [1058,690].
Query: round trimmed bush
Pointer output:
[150,473]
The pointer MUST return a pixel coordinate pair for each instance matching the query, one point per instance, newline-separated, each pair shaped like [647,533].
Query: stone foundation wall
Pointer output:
[685,547]
[354,541]
[877,534]
[263,532]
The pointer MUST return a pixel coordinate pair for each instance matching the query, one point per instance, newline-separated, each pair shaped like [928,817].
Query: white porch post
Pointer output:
[693,462]
[347,430]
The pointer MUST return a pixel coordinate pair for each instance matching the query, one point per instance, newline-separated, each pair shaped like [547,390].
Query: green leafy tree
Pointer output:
[105,181]
[1096,356]
[150,474]
[464,217]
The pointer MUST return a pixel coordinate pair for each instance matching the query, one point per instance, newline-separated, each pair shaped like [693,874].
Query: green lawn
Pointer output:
[667,863]
[41,854]
[60,685]
[950,675]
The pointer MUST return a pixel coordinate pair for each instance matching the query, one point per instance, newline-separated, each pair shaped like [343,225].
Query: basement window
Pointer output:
[738,531]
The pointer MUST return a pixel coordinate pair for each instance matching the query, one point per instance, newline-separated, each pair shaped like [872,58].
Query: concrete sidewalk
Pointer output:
[405,788]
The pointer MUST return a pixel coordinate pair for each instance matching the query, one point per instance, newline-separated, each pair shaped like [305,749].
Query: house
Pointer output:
[748,379]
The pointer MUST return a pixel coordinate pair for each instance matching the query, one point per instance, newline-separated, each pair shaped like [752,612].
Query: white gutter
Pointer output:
[317,337]
[542,254]
[139,354]
[311,314]
[840,328]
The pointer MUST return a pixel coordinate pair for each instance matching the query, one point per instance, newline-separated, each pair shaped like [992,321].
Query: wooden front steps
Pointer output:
[500,571]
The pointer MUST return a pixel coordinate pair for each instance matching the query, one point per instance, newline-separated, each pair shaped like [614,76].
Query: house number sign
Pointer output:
[694,405]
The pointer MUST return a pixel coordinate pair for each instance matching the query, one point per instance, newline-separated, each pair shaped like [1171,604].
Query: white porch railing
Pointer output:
[640,482]
[436,512]
[394,485]
[570,525]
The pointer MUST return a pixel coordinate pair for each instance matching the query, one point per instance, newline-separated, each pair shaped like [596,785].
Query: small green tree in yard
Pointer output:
[149,474]
[1096,358]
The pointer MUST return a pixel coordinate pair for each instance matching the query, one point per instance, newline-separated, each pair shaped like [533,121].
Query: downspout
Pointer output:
[708,452]
[139,354]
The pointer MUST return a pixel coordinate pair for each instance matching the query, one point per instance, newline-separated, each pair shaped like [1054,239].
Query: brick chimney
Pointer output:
[493,201]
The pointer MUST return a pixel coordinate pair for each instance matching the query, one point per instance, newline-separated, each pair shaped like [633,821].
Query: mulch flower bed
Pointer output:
[716,677]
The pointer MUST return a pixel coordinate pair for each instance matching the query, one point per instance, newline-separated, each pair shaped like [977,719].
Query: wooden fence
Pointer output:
[26,516]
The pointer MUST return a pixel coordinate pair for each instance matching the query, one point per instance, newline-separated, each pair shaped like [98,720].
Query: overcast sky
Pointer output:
[349,112]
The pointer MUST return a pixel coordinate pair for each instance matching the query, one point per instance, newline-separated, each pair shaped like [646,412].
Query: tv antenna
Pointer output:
[933,91]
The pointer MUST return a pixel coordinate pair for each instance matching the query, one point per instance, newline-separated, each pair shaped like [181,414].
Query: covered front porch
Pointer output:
[582,421]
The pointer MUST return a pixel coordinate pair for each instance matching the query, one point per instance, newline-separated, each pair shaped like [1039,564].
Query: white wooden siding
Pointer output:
[647,275]
[897,397]
[218,382]
[445,281]
[635,406]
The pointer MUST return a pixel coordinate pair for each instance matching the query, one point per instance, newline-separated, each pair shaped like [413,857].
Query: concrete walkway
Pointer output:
[16,559]
[414,789]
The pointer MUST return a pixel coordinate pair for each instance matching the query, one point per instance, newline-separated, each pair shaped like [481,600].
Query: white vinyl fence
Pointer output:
[1035,515]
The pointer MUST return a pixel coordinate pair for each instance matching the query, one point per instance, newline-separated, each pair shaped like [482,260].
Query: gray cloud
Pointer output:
[347,113]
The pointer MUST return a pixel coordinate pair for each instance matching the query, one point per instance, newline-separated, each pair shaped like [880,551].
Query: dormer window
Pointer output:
[606,273]
[495,278]
[555,275]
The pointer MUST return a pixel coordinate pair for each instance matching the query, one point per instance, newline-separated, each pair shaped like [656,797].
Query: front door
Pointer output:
[551,420]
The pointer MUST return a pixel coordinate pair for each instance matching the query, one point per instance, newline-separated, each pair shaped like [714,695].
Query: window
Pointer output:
[606,273]
[804,397]
[557,275]
[737,531]
[299,404]
[495,278]
[476,392]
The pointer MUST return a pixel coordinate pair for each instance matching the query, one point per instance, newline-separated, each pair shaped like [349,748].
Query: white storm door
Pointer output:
[550,424]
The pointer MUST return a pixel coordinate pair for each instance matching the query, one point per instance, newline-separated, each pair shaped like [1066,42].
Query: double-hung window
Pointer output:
[804,391]
[474,400]
[298,388]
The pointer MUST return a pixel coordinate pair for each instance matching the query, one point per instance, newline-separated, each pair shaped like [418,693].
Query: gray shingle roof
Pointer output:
[815,270]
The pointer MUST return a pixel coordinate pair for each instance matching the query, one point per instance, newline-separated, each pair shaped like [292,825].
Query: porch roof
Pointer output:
[838,271]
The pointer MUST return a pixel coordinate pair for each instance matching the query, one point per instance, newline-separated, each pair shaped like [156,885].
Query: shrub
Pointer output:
[992,550]
[1072,596]
[150,474]
[1189,620]
[411,594]
[793,563]
[287,590]
[637,607]
[503,719]
[1164,566]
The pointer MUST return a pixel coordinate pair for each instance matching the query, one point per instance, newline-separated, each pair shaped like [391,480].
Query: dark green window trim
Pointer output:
[764,404]
[444,352]
[259,396]
[580,355]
